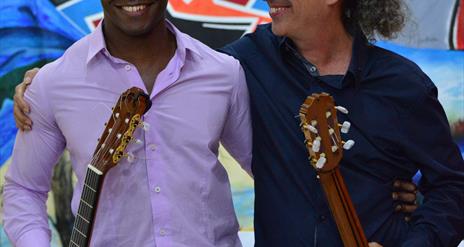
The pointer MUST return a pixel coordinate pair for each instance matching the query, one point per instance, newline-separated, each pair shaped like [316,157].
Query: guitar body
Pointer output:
[125,118]
[319,124]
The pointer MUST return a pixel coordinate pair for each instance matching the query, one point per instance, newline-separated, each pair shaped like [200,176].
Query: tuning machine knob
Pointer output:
[341,109]
[348,144]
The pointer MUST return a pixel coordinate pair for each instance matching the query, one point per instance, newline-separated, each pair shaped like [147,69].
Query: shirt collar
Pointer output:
[357,63]
[184,42]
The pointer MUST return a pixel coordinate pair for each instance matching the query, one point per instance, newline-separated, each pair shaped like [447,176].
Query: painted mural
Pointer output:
[35,32]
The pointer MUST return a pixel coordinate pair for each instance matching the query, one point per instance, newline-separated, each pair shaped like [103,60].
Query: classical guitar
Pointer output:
[319,123]
[118,133]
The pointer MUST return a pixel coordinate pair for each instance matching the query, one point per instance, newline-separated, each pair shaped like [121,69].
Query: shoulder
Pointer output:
[72,61]
[261,40]
[395,73]
[204,58]
[53,76]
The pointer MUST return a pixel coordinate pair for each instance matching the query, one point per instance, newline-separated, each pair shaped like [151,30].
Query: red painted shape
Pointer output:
[241,2]
[460,27]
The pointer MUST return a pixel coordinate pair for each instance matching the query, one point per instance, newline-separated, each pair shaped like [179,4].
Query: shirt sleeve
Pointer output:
[236,136]
[28,179]
[439,220]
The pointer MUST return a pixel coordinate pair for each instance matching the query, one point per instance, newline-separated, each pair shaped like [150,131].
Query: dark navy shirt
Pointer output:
[398,126]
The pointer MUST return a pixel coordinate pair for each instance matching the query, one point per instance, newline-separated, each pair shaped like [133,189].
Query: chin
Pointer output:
[137,31]
[279,29]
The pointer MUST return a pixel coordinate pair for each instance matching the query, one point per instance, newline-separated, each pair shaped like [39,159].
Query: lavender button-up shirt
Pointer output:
[175,192]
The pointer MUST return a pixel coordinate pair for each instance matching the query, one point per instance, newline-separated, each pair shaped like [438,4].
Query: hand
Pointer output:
[405,193]
[21,107]
[374,244]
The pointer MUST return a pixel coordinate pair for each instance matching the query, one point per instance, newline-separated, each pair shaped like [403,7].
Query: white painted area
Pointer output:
[248,239]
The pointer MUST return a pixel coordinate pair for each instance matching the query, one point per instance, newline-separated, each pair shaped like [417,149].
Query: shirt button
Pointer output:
[322,218]
[157,189]
[162,232]
[127,67]
[152,147]
[312,69]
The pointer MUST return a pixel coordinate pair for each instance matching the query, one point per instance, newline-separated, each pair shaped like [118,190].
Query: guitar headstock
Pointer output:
[319,123]
[125,118]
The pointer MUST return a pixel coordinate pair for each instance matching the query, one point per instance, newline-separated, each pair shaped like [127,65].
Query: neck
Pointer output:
[329,49]
[139,49]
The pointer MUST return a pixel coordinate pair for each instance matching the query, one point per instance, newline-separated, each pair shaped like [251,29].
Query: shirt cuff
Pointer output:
[36,237]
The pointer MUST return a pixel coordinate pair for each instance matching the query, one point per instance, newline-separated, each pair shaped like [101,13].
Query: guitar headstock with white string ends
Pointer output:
[319,123]
[125,118]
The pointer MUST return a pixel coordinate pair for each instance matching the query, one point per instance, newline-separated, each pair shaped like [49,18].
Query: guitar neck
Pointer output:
[82,229]
[342,208]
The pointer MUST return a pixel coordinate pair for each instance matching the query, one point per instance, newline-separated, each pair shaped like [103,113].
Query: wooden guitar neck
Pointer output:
[342,209]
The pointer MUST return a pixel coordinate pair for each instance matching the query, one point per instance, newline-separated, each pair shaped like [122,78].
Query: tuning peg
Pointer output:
[321,162]
[317,144]
[145,126]
[348,144]
[311,128]
[341,109]
[116,115]
[334,149]
[345,127]
[328,114]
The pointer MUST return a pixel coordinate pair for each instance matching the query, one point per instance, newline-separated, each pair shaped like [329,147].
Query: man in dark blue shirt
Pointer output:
[397,123]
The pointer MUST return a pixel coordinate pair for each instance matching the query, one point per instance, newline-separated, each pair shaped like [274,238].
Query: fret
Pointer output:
[72,243]
[80,232]
[80,216]
[85,203]
[86,185]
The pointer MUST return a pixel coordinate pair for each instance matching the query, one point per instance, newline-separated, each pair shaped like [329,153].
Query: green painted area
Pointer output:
[9,81]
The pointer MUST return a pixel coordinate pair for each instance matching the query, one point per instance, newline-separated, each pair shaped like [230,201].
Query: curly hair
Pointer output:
[375,17]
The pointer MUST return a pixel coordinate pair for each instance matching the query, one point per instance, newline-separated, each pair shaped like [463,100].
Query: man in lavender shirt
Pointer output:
[175,192]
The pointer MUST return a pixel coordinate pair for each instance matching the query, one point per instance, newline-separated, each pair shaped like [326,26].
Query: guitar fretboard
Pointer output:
[82,228]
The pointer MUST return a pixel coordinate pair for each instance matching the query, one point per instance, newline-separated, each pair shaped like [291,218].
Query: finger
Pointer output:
[404,197]
[19,97]
[19,100]
[22,121]
[373,244]
[405,185]
[29,75]
[405,208]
